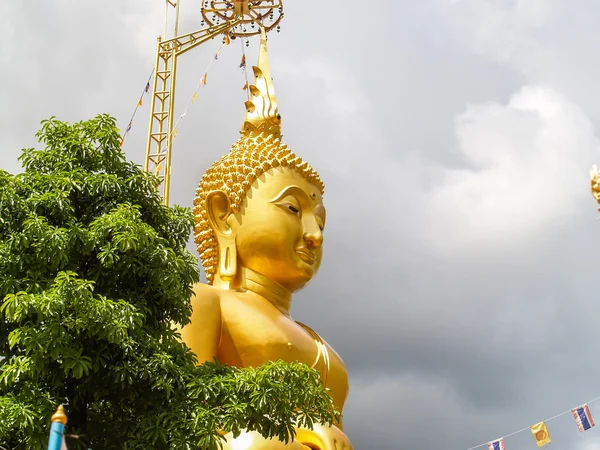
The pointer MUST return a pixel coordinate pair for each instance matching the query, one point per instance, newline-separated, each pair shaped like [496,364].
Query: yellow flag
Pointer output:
[194,97]
[540,434]
[204,78]
[245,87]
[227,40]
[140,102]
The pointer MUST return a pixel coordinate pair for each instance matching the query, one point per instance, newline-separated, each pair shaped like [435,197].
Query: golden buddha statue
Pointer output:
[259,230]
[595,177]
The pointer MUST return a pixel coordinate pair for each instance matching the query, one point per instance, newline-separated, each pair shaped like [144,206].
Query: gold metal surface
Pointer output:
[262,113]
[60,415]
[252,14]
[260,220]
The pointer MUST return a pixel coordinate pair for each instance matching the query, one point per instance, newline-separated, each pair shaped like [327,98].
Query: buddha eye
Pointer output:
[293,209]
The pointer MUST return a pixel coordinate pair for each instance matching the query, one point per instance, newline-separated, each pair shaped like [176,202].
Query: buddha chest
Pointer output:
[254,331]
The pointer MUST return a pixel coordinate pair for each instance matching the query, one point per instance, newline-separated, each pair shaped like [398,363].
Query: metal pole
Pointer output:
[177,18]
[166,16]
[167,180]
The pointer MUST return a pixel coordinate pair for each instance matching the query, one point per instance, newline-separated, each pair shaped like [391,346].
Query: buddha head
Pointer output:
[260,206]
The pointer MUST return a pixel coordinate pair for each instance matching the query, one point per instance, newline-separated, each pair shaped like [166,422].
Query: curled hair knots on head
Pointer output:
[234,174]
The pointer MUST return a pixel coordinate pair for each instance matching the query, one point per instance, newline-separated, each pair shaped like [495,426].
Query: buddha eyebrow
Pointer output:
[290,190]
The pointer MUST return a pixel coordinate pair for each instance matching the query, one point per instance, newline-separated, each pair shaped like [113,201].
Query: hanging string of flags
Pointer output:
[203,82]
[581,414]
[139,103]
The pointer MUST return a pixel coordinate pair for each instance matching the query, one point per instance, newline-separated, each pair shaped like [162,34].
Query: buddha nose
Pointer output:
[314,236]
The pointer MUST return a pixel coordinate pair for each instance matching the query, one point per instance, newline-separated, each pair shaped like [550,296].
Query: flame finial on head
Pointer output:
[262,114]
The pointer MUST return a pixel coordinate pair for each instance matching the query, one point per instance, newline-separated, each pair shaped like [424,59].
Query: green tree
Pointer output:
[94,272]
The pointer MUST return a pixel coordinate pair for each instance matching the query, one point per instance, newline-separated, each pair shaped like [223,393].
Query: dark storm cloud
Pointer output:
[454,138]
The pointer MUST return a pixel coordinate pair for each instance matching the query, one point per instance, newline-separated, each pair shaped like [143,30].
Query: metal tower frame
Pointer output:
[228,18]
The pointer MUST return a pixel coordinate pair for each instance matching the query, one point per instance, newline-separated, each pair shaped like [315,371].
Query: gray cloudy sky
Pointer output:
[455,139]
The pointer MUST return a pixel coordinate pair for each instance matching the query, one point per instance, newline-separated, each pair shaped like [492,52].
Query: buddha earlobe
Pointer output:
[227,258]
[218,208]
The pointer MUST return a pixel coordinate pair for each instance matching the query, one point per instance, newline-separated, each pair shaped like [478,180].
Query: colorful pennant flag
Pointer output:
[497,445]
[140,102]
[128,128]
[227,40]
[194,97]
[245,86]
[243,62]
[217,54]
[147,87]
[175,133]
[583,418]
[204,78]
[540,434]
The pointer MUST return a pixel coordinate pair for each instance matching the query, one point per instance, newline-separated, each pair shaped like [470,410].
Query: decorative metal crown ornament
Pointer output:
[262,113]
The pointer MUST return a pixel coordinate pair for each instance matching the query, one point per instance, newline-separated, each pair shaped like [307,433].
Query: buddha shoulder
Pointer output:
[206,300]
[203,333]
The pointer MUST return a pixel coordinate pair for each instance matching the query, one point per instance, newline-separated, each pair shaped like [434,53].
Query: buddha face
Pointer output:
[279,229]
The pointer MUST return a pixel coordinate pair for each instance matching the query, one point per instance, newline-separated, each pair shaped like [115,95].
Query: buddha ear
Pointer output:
[218,209]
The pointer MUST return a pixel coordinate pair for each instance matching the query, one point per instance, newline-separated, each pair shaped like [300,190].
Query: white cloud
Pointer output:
[499,29]
[526,167]
[592,445]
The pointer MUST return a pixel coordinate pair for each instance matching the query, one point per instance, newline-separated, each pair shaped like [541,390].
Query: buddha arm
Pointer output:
[203,333]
